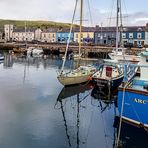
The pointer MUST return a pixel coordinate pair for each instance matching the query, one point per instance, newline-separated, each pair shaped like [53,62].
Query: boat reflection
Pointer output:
[104,96]
[132,136]
[78,94]
[73,90]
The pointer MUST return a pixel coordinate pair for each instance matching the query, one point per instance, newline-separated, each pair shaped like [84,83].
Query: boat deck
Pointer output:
[139,85]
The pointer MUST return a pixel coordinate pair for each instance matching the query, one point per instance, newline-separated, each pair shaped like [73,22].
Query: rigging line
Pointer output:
[126,12]
[103,124]
[111,12]
[90,14]
[69,35]
[122,108]
[134,109]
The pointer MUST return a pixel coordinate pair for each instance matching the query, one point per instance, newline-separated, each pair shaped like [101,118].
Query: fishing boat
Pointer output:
[109,74]
[82,73]
[133,95]
[119,53]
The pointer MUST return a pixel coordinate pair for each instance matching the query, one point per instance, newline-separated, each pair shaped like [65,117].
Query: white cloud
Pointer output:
[57,10]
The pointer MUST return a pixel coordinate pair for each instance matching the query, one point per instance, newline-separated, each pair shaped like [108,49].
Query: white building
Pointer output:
[38,34]
[21,35]
[8,30]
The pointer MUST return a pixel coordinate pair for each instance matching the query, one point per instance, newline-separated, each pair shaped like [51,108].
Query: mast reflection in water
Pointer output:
[35,113]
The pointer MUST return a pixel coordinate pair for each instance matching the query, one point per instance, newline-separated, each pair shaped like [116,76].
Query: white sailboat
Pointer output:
[82,73]
[119,52]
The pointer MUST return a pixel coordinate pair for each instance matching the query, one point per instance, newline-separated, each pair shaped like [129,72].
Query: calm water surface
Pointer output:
[37,112]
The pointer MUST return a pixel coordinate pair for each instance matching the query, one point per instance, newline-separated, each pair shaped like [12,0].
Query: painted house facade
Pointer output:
[87,35]
[105,36]
[21,35]
[48,35]
[63,35]
[135,35]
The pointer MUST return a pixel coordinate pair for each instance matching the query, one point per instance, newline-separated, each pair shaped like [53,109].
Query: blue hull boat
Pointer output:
[133,95]
[135,103]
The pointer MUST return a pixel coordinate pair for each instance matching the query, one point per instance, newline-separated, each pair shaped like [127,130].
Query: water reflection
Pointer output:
[68,92]
[103,96]
[41,115]
[132,136]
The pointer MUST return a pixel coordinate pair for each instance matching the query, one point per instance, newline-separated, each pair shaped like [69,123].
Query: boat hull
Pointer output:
[114,83]
[73,80]
[135,106]
[125,57]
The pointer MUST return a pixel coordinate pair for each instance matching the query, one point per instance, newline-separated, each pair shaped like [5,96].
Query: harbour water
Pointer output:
[37,112]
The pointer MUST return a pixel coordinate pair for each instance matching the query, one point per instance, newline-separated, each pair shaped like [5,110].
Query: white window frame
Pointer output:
[131,35]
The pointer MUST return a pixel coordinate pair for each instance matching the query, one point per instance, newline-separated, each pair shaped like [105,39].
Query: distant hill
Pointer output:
[34,24]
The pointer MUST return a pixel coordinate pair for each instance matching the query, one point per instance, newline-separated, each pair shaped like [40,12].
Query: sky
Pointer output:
[96,12]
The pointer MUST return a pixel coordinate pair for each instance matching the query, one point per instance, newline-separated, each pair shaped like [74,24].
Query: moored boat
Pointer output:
[77,76]
[133,95]
[109,74]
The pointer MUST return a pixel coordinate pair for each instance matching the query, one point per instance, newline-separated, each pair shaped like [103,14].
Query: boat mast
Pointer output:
[121,26]
[117,23]
[69,35]
[81,14]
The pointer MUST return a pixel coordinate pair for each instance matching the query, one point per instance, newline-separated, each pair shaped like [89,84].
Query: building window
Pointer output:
[130,35]
[112,35]
[105,35]
[99,35]
[53,35]
[76,35]
[123,35]
[139,35]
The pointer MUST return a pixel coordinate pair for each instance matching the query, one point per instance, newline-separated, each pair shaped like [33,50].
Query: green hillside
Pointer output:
[34,24]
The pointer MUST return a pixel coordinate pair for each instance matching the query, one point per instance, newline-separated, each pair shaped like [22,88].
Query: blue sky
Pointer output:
[135,11]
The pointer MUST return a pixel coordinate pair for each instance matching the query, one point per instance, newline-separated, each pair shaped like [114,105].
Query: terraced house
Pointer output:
[105,35]
[134,35]
[87,35]
[48,35]
[23,35]
[63,35]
